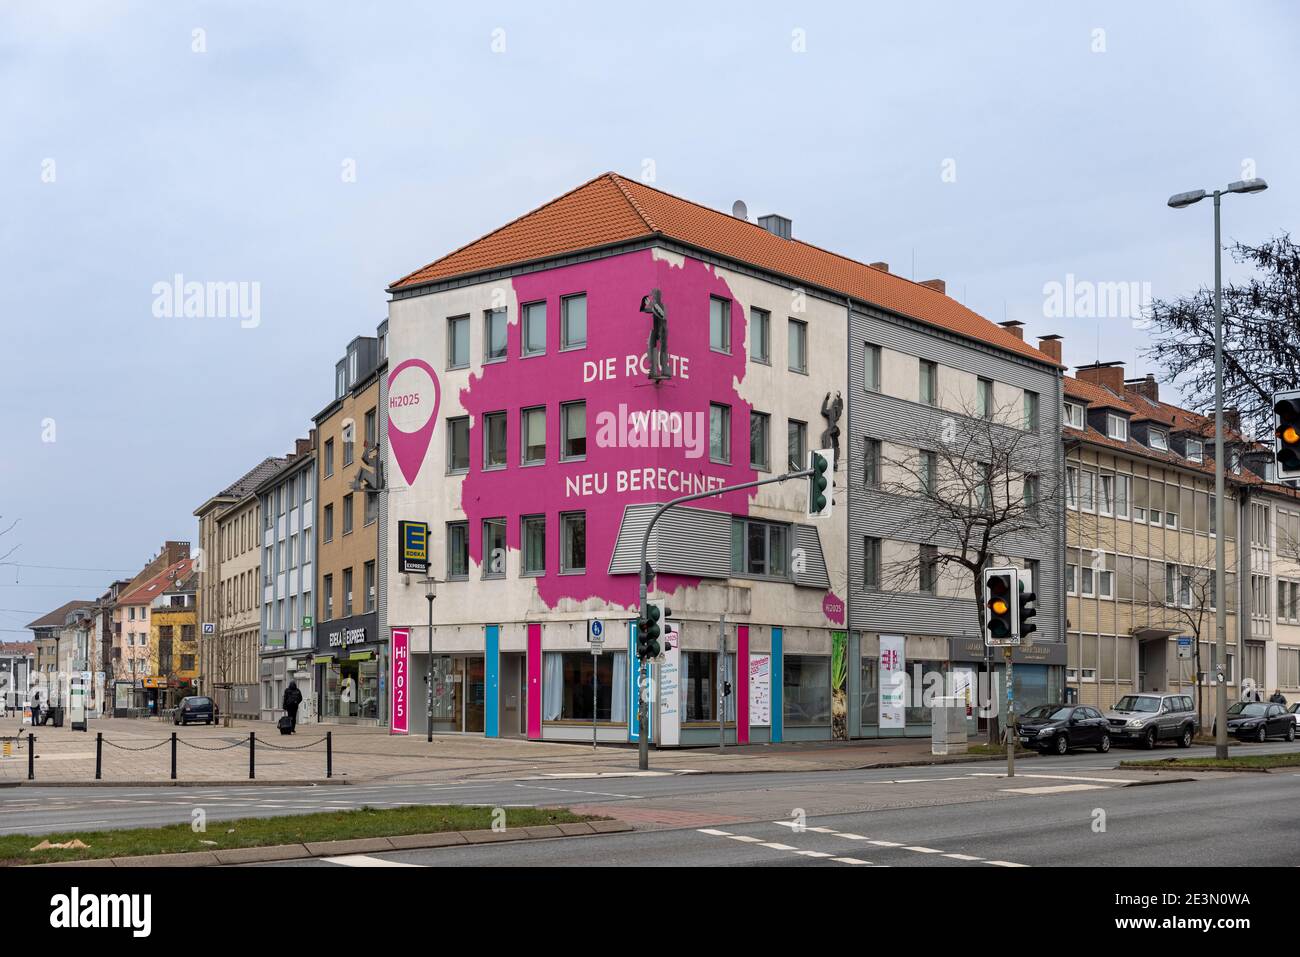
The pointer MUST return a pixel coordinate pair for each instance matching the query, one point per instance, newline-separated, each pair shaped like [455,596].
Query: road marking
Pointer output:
[885,843]
[1056,789]
[777,847]
[963,857]
[715,832]
[850,837]
[362,860]
[63,825]
[849,860]
[1006,864]
[745,838]
[1059,777]
[812,853]
[923,850]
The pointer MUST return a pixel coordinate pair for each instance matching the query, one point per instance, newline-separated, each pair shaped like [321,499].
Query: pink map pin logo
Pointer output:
[413,399]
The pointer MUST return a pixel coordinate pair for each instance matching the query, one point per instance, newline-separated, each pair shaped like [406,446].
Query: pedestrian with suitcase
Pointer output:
[292,699]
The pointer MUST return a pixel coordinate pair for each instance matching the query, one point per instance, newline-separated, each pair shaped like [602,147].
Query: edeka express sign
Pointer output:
[413,548]
[400,706]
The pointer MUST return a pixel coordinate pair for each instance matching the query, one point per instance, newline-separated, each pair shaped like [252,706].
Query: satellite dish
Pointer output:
[740,210]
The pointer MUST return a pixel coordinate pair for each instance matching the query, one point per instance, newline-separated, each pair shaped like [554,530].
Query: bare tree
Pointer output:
[971,490]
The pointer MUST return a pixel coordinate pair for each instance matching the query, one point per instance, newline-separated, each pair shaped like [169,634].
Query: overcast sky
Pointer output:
[322,150]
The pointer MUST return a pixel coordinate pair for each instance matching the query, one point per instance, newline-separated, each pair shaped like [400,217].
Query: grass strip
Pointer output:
[1265,761]
[267,831]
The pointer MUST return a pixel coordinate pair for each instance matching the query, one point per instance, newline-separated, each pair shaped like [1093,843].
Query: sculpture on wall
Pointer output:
[657,358]
[832,409]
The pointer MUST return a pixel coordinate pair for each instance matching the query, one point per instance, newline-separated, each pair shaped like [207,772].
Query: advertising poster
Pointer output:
[893,682]
[839,686]
[670,698]
[400,706]
[760,691]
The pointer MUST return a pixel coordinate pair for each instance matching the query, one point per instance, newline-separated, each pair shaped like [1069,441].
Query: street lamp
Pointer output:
[1179,201]
[430,592]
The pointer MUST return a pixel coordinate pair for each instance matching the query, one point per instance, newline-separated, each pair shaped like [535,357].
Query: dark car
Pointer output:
[193,710]
[1259,721]
[1060,727]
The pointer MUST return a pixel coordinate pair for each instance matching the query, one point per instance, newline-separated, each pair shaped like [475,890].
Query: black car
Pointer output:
[1060,727]
[1259,721]
[194,709]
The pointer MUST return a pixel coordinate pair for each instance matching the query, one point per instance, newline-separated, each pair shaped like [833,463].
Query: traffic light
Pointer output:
[650,628]
[821,484]
[1027,610]
[1287,450]
[1001,607]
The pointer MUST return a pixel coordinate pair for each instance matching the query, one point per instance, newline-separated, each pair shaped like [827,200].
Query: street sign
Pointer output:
[209,628]
[1184,648]
[307,621]
[595,631]
[597,647]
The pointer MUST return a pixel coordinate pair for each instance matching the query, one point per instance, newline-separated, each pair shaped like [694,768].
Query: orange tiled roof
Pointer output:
[1092,394]
[611,209]
[155,586]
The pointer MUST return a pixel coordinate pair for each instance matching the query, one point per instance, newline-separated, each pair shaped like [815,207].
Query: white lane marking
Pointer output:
[777,847]
[63,825]
[885,843]
[849,860]
[746,838]
[850,837]
[963,857]
[925,780]
[1060,777]
[363,860]
[821,830]
[1006,864]
[715,832]
[812,853]
[923,850]
[538,787]
[1056,789]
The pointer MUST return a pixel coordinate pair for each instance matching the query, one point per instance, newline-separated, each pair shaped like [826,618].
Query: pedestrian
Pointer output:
[292,698]
[1278,697]
[36,708]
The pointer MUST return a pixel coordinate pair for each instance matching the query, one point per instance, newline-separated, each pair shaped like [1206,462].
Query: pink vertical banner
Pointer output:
[742,684]
[534,680]
[400,706]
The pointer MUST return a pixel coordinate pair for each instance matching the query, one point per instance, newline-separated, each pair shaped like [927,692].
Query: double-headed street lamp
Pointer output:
[1221,629]
[430,592]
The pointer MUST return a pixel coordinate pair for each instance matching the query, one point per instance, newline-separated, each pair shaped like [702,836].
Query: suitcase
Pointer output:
[286,725]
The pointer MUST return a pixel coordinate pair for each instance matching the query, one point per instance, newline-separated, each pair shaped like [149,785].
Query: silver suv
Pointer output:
[1146,719]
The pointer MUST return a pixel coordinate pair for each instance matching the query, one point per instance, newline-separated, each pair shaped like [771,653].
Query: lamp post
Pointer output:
[1180,201]
[430,592]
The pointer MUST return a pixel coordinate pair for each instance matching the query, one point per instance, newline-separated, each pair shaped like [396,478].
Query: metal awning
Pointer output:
[1148,634]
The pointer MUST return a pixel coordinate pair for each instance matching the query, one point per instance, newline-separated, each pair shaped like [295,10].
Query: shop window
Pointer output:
[806,698]
[567,686]
[700,686]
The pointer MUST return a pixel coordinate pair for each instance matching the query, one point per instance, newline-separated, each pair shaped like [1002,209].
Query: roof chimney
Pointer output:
[301,446]
[1015,327]
[776,225]
[938,285]
[1148,388]
[1108,375]
[1050,346]
[1232,421]
[883,267]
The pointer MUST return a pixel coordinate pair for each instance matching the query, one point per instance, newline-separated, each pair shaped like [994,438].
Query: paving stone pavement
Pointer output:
[139,751]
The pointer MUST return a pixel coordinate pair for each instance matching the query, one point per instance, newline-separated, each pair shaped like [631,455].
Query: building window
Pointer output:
[328,523]
[371,505]
[760,548]
[700,686]
[573,543]
[494,440]
[573,443]
[1106,500]
[871,463]
[984,398]
[1073,416]
[532,432]
[806,701]
[494,335]
[568,686]
[494,548]
[759,441]
[457,550]
[1116,427]
[347,514]
[871,367]
[329,597]
[927,565]
[347,592]
[719,433]
[458,342]
[1195,451]
[871,563]
[798,343]
[760,336]
[329,470]
[720,324]
[796,440]
[929,390]
[1121,495]
[534,551]
[458,444]
[1031,411]
[929,468]
[370,586]
[1158,440]
[573,322]
[534,339]
[1032,494]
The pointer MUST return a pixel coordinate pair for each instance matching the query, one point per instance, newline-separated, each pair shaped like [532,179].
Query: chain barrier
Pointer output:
[224,747]
[123,747]
[290,747]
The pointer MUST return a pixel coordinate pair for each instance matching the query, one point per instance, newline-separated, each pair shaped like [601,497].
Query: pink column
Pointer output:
[534,680]
[742,684]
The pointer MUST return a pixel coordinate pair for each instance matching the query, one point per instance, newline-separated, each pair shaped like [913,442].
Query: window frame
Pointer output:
[565,344]
[453,425]
[796,330]
[488,419]
[565,456]
[524,415]
[566,520]
[453,323]
[765,463]
[725,434]
[765,324]
[871,368]
[489,315]
[527,313]
[725,327]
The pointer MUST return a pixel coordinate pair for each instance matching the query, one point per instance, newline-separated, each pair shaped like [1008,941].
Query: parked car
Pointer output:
[1294,711]
[195,709]
[1060,727]
[1147,719]
[1259,721]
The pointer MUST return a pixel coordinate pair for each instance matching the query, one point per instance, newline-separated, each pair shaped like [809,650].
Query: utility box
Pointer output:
[948,726]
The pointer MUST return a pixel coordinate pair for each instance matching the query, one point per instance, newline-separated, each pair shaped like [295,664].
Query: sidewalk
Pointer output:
[139,750]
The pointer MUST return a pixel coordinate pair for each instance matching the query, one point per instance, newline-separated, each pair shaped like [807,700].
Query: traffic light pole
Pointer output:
[643,669]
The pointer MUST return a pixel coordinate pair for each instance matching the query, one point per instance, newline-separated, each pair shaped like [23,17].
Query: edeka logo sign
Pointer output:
[413,548]
[413,398]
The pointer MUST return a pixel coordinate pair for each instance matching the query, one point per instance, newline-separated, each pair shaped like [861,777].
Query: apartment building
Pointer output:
[160,678]
[130,632]
[228,651]
[351,642]
[526,431]
[287,590]
[51,634]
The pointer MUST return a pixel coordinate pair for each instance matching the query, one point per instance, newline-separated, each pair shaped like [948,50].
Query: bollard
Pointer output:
[31,756]
[173,755]
[252,755]
[329,754]
[99,755]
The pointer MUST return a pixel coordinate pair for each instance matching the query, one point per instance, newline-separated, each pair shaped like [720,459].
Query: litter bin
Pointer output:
[56,716]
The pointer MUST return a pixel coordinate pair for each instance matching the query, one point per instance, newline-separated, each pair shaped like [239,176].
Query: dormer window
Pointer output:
[1074,415]
[1158,440]
[1195,451]
[1117,427]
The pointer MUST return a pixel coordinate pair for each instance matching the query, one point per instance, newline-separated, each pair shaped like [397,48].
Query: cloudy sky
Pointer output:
[321,150]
